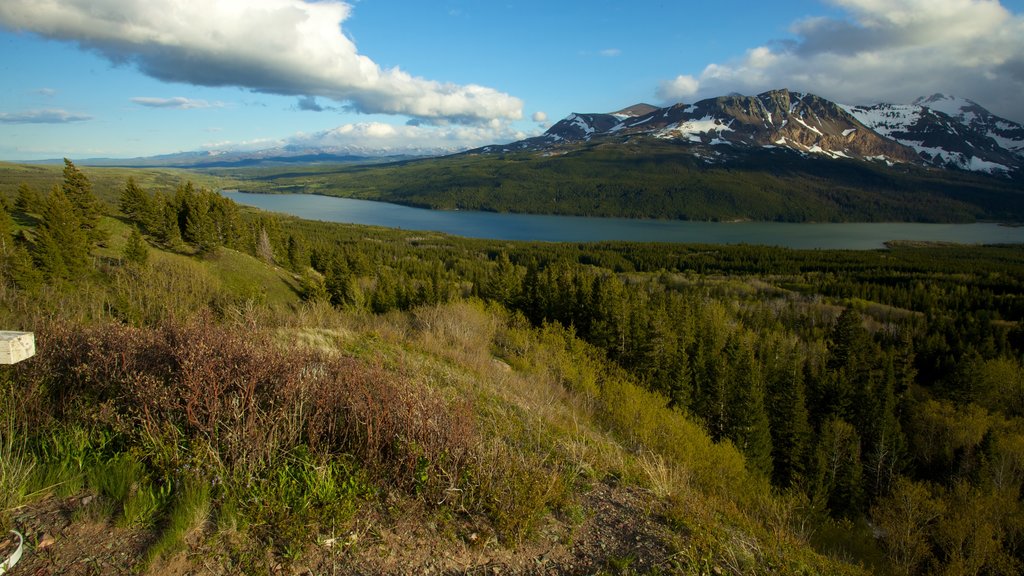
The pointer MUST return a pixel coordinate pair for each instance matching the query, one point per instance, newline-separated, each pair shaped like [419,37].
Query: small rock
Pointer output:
[45,541]
[87,499]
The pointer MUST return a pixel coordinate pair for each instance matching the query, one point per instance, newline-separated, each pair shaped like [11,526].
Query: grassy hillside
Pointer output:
[260,393]
[663,180]
[107,182]
[244,418]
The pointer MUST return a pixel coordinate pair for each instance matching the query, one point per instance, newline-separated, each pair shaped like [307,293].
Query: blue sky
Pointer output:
[126,78]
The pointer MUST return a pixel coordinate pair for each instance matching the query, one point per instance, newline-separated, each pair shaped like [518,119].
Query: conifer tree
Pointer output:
[135,250]
[61,249]
[136,205]
[28,200]
[297,254]
[791,432]
[79,192]
[747,422]
[169,231]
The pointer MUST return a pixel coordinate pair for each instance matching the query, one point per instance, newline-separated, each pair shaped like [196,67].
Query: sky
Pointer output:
[130,78]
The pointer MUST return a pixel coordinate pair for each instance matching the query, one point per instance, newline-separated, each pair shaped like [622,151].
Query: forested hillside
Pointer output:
[244,390]
[666,180]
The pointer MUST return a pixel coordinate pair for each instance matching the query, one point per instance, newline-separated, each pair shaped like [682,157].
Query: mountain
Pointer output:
[280,156]
[938,131]
[949,132]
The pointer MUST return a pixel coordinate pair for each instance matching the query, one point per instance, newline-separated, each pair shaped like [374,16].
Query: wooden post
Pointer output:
[16,346]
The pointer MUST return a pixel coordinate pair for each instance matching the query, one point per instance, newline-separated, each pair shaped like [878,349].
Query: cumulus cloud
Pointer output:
[679,88]
[178,103]
[49,116]
[540,117]
[892,50]
[287,47]
[382,137]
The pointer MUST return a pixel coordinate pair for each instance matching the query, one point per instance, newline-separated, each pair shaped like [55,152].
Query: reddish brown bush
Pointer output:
[248,402]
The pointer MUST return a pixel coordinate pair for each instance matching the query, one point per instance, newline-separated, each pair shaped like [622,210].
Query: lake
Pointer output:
[852,236]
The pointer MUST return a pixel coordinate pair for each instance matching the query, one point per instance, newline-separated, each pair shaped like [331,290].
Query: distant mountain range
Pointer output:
[937,131]
[282,156]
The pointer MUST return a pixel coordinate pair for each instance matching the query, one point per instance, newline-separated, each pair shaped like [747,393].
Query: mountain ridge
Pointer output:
[938,131]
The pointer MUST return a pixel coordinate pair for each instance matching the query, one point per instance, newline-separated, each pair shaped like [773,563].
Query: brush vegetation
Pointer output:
[237,382]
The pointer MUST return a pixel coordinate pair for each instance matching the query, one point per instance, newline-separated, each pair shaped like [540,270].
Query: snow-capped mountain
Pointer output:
[1008,135]
[955,134]
[950,132]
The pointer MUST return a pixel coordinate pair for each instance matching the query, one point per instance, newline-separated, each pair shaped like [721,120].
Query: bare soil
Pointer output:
[609,528]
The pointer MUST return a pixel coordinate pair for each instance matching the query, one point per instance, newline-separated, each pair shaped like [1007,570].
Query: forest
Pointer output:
[843,410]
[661,180]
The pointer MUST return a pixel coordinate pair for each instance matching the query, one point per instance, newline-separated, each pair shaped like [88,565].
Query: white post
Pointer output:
[16,346]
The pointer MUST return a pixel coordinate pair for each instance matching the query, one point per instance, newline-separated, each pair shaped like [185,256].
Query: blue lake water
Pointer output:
[853,236]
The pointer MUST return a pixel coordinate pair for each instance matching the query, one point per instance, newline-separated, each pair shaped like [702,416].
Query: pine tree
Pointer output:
[136,205]
[298,255]
[61,248]
[136,251]
[791,432]
[169,231]
[28,200]
[747,422]
[78,190]
[197,226]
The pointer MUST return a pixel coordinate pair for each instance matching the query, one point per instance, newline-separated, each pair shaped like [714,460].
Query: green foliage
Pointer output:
[61,247]
[876,383]
[660,180]
[136,251]
[88,208]
[16,459]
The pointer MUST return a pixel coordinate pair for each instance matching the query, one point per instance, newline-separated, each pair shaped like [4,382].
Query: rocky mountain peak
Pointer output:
[938,130]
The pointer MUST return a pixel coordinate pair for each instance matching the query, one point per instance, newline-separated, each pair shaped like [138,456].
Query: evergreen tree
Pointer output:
[136,251]
[197,226]
[747,422]
[28,200]
[169,231]
[136,205]
[61,249]
[79,192]
[297,253]
[791,432]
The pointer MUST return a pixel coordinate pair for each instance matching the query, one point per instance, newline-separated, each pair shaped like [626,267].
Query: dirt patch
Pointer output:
[610,527]
[61,537]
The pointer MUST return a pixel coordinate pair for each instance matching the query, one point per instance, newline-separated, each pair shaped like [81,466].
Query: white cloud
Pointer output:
[48,116]
[679,88]
[611,52]
[399,138]
[47,92]
[288,47]
[178,103]
[540,116]
[893,50]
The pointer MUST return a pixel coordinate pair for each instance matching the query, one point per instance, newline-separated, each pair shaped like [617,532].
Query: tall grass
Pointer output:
[16,461]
